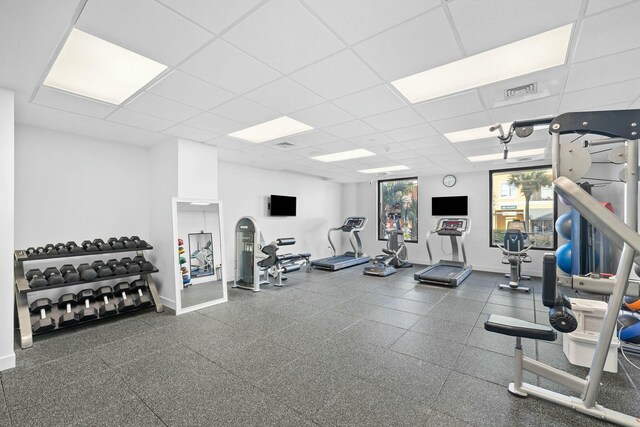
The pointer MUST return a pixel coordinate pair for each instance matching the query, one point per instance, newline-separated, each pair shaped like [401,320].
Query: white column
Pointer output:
[7,356]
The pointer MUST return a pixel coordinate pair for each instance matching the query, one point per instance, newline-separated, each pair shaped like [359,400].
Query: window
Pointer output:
[398,207]
[523,199]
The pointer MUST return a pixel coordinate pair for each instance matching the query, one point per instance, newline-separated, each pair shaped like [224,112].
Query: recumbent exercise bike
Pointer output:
[278,265]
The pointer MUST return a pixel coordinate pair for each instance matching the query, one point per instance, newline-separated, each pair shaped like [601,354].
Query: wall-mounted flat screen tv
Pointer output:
[283,205]
[449,206]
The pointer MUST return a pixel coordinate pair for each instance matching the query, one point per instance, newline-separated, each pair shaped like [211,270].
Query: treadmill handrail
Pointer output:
[601,218]
[333,247]
[429,233]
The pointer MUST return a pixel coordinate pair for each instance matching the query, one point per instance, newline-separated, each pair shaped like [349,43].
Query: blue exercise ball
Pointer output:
[563,257]
[563,225]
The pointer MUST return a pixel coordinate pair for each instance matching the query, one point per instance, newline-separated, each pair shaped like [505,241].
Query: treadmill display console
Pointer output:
[353,222]
[453,224]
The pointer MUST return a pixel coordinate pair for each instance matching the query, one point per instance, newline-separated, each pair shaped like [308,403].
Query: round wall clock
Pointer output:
[449,181]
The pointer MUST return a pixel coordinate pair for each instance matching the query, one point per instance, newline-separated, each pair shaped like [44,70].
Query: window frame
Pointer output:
[379,207]
[555,205]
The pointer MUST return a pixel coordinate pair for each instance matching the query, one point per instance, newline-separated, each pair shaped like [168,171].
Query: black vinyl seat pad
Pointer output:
[519,328]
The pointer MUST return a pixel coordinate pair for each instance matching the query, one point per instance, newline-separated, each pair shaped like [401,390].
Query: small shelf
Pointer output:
[21,255]
[27,290]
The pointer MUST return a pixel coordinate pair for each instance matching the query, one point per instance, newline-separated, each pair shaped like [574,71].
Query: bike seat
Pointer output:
[519,328]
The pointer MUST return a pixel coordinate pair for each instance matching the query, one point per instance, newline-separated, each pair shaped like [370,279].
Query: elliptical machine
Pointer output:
[514,253]
[395,254]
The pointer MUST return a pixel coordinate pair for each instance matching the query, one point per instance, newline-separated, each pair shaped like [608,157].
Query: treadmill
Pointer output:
[352,225]
[447,272]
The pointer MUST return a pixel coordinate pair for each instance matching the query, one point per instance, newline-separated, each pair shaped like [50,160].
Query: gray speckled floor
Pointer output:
[327,349]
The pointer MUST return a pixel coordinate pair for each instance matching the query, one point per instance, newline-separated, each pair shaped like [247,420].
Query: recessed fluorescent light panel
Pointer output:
[200,203]
[475,133]
[512,155]
[385,169]
[344,155]
[273,129]
[539,52]
[94,68]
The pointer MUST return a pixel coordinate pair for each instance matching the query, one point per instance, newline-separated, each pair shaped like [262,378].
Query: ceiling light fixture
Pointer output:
[512,154]
[273,129]
[535,53]
[200,203]
[344,155]
[385,169]
[95,68]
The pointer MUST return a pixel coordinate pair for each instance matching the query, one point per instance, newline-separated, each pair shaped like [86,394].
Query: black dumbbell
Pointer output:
[86,297]
[86,272]
[125,304]
[74,248]
[128,243]
[61,248]
[115,244]
[139,243]
[50,250]
[143,263]
[117,268]
[102,245]
[69,273]
[107,308]
[89,246]
[142,298]
[101,268]
[44,323]
[31,252]
[131,266]
[40,251]
[67,302]
[36,278]
[53,276]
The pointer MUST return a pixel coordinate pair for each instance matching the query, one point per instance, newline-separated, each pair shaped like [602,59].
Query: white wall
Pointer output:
[71,187]
[7,191]
[197,170]
[244,191]
[479,253]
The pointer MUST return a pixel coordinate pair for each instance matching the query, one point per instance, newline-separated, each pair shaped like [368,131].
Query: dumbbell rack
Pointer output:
[22,288]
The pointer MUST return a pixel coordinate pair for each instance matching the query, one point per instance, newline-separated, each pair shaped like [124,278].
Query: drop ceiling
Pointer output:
[329,64]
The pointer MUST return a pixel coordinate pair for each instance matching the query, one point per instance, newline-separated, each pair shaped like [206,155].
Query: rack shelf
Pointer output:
[22,289]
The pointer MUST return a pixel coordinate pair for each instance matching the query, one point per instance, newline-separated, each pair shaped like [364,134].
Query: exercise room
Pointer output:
[319,212]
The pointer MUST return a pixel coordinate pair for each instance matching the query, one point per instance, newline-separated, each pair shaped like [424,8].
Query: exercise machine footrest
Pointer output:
[519,328]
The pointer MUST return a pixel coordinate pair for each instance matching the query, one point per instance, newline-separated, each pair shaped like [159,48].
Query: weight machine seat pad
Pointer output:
[519,328]
[290,268]
[305,255]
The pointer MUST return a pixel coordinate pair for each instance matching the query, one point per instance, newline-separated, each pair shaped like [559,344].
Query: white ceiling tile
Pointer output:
[228,143]
[417,45]
[402,156]
[411,132]
[371,140]
[603,95]
[188,132]
[469,121]
[283,34]
[548,82]
[604,71]
[337,75]
[371,101]
[72,103]
[438,151]
[425,142]
[164,108]
[609,32]
[285,96]
[309,151]
[482,146]
[143,26]
[228,67]
[359,19]
[401,118]
[322,115]
[140,120]
[28,37]
[451,106]
[484,25]
[214,15]
[595,6]
[314,137]
[189,90]
[525,110]
[338,146]
[245,111]
[389,150]
[215,124]
[350,129]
